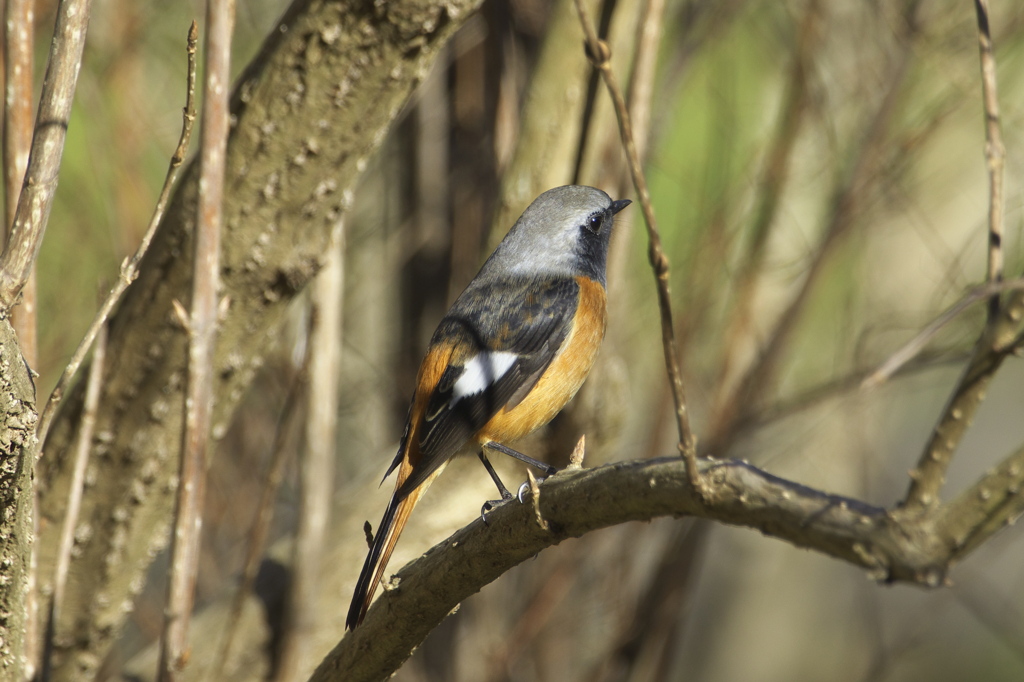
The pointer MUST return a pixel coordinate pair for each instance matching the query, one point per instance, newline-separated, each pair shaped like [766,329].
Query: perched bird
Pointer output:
[514,348]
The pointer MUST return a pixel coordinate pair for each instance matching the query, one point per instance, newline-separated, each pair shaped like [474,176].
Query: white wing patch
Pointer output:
[483,370]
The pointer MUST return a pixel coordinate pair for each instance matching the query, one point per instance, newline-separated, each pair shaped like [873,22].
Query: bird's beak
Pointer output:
[619,205]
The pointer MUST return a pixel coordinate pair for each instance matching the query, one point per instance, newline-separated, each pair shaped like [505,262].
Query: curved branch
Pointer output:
[891,547]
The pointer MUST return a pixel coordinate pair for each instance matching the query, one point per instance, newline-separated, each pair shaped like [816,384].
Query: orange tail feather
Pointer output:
[391,525]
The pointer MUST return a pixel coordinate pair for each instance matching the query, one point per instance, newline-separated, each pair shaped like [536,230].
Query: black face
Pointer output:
[595,234]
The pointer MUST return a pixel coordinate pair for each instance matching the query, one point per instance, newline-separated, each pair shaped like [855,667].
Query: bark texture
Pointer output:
[17,409]
[308,113]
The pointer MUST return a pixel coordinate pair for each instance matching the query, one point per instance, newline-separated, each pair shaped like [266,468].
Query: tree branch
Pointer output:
[37,193]
[997,342]
[989,505]
[129,269]
[891,547]
[18,32]
[87,428]
[995,153]
[308,112]
[202,338]
[600,57]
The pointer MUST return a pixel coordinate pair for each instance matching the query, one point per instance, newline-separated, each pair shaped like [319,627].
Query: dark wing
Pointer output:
[498,354]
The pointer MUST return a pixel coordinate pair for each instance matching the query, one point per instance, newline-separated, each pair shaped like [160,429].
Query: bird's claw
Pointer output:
[521,493]
[491,505]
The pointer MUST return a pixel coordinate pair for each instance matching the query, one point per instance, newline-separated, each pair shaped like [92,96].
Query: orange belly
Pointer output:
[564,375]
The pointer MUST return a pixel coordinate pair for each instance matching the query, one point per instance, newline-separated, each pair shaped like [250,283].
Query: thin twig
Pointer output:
[927,478]
[994,153]
[36,198]
[129,268]
[929,475]
[600,57]
[316,474]
[202,331]
[87,425]
[19,22]
[279,458]
[17,110]
[910,349]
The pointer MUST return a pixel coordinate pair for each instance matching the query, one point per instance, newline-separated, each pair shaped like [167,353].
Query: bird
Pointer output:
[512,350]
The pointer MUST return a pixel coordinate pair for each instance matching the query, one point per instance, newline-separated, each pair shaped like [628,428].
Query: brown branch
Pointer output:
[891,547]
[995,153]
[991,504]
[331,107]
[40,185]
[17,109]
[600,57]
[87,426]
[17,404]
[18,31]
[316,472]
[17,41]
[202,333]
[129,269]
[994,345]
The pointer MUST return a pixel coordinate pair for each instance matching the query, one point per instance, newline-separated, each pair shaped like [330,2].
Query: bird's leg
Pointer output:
[506,450]
[505,494]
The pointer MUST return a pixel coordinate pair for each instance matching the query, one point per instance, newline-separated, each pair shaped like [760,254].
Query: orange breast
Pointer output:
[564,375]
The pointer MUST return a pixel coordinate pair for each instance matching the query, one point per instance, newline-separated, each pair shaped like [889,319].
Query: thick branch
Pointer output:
[308,113]
[17,446]
[576,502]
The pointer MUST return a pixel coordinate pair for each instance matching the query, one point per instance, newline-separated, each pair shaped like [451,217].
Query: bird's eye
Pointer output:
[594,223]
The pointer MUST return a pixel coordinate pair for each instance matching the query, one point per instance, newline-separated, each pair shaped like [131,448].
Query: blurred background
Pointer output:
[818,174]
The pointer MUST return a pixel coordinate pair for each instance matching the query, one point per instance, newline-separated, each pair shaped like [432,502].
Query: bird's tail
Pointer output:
[391,525]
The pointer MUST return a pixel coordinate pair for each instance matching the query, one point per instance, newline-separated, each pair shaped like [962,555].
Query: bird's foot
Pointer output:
[491,505]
